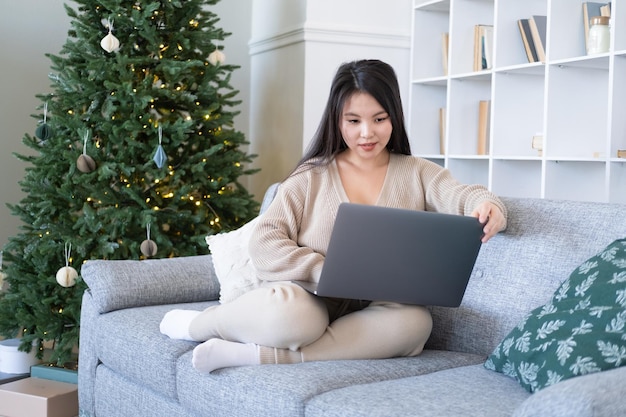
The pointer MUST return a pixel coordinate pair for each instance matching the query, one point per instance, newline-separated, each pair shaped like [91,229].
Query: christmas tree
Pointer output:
[135,156]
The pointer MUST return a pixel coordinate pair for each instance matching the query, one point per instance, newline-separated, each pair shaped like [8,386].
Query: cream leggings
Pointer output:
[291,325]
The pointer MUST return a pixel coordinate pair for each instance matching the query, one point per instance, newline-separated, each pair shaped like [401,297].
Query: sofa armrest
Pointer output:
[599,394]
[116,285]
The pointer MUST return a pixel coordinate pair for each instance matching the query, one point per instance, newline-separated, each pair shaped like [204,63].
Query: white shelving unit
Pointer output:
[576,101]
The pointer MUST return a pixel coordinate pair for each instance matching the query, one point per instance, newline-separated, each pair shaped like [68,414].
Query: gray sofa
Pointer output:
[128,368]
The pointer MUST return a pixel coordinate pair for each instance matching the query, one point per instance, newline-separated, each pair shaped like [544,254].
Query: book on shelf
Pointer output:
[442,130]
[488,46]
[483,126]
[527,40]
[445,42]
[483,47]
[591,9]
[477,64]
[538,25]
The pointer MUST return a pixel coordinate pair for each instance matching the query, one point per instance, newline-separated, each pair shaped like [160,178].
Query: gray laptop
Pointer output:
[406,256]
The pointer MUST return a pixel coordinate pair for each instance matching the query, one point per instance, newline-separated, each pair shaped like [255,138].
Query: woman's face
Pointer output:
[365,126]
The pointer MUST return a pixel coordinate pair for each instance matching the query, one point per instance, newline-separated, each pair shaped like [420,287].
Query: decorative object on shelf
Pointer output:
[159,156]
[148,247]
[590,10]
[66,276]
[599,39]
[44,131]
[621,153]
[110,43]
[85,163]
[537,143]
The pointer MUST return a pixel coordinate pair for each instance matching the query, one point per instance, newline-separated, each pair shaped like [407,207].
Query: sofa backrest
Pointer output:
[268,197]
[520,268]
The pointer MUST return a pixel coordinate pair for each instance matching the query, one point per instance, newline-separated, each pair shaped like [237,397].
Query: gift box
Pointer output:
[36,397]
[55,373]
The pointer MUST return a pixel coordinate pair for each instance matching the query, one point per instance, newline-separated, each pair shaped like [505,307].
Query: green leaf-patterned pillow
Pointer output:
[580,331]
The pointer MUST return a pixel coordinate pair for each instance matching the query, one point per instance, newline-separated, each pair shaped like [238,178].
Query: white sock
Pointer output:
[175,324]
[218,353]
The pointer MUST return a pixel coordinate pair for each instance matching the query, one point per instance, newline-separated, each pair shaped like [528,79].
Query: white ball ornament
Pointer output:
[66,276]
[217,57]
[110,43]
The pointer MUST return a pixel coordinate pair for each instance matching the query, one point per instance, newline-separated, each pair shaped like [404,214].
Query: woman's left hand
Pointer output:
[491,217]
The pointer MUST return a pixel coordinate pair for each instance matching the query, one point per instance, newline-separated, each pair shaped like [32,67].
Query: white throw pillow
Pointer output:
[231,260]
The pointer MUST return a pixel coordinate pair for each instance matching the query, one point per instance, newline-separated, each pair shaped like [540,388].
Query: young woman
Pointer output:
[360,154]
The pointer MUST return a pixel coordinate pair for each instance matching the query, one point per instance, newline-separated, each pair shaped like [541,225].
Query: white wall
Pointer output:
[293,59]
[29,30]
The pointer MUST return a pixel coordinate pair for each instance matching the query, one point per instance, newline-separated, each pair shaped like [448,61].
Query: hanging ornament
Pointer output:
[159,156]
[2,274]
[148,247]
[43,131]
[85,163]
[217,57]
[110,43]
[66,276]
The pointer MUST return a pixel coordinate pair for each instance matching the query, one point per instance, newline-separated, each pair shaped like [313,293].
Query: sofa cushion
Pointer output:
[231,259]
[463,391]
[593,395]
[129,343]
[116,396]
[282,390]
[581,330]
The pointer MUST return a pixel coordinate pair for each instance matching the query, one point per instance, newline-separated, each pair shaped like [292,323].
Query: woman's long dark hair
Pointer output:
[373,77]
